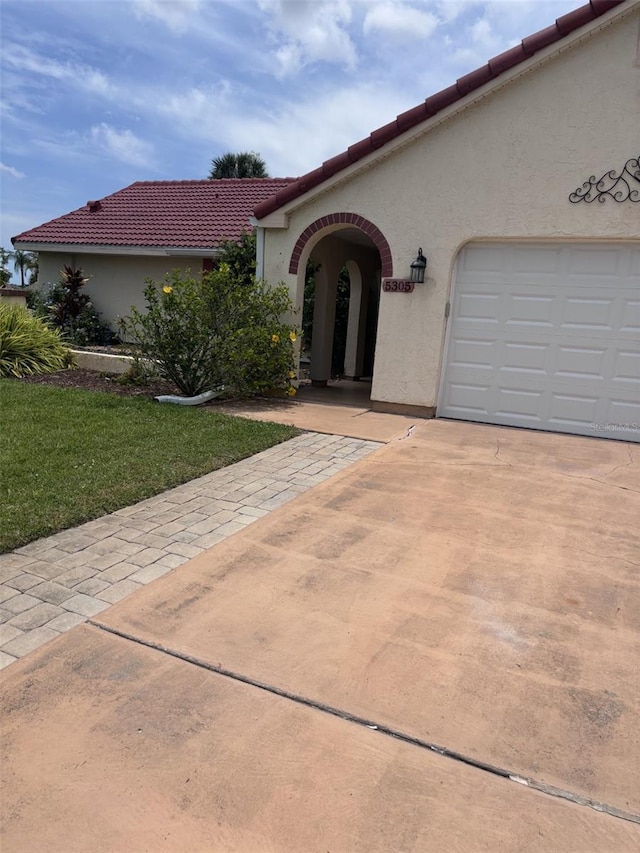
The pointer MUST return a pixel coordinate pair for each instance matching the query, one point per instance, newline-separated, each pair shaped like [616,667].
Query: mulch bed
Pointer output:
[91,380]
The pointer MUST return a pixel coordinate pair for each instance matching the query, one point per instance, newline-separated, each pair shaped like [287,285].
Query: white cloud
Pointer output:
[483,36]
[90,79]
[293,136]
[11,171]
[307,31]
[199,110]
[449,10]
[123,145]
[177,15]
[400,20]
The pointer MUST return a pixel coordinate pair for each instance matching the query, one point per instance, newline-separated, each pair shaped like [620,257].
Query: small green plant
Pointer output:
[73,312]
[28,345]
[141,372]
[216,330]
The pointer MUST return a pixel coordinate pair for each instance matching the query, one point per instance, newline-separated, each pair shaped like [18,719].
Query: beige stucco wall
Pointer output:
[117,281]
[11,297]
[503,169]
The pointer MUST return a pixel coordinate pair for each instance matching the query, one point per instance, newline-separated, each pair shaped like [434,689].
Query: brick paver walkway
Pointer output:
[53,584]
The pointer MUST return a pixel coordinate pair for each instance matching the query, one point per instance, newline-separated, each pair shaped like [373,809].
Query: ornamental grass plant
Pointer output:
[28,345]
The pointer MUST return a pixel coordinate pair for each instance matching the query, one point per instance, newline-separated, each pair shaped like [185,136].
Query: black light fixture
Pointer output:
[418,267]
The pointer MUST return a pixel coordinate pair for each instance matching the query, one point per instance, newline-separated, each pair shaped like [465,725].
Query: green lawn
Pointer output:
[67,456]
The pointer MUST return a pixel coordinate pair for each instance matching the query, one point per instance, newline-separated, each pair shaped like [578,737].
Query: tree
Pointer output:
[23,261]
[34,269]
[5,275]
[245,164]
[240,257]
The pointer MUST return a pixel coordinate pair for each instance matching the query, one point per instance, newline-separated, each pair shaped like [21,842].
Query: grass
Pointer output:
[68,456]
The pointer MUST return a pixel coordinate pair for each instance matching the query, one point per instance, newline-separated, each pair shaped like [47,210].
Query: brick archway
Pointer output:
[356,221]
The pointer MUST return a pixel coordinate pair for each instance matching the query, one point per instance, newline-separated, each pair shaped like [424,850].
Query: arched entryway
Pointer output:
[347,256]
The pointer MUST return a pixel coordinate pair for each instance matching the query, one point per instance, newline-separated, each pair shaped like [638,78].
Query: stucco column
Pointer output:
[357,325]
[324,316]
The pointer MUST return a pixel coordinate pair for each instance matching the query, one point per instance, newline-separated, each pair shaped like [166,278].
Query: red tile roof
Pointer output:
[168,214]
[440,101]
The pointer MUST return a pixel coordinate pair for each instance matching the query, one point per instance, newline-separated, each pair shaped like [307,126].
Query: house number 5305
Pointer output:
[397,285]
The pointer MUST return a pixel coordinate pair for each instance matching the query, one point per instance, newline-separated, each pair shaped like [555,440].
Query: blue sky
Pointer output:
[97,94]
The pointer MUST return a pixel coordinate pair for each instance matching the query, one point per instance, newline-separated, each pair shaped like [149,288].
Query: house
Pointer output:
[521,185]
[145,230]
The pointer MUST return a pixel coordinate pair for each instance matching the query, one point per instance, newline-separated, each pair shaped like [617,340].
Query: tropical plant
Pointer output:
[73,312]
[34,269]
[28,345]
[245,164]
[216,330]
[5,275]
[67,300]
[22,262]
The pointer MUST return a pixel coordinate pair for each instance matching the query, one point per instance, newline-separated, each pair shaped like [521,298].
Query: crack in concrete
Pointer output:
[550,790]
[499,459]
[604,482]
[598,556]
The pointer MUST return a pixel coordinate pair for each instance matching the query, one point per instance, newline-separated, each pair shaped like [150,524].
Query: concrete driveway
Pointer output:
[438,649]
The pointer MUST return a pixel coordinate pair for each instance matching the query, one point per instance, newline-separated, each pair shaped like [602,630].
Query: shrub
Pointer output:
[73,312]
[28,345]
[216,330]
[37,302]
[240,256]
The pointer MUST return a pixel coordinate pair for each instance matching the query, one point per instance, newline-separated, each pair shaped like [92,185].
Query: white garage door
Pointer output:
[546,336]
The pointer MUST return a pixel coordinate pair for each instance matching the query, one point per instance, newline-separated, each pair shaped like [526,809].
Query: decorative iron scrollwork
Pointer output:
[622,187]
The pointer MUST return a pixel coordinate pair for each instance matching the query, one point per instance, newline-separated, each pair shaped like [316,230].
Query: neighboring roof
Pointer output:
[563,27]
[166,214]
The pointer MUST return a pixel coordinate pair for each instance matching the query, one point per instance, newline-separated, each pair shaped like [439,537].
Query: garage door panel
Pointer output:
[518,403]
[572,409]
[627,368]
[576,314]
[535,261]
[468,399]
[624,412]
[473,353]
[630,322]
[580,362]
[586,314]
[525,357]
[597,262]
[546,337]
[479,307]
[530,310]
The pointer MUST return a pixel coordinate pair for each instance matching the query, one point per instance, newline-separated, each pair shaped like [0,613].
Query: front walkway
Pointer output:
[54,584]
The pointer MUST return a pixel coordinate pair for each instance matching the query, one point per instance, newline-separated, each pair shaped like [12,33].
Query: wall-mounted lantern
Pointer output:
[418,267]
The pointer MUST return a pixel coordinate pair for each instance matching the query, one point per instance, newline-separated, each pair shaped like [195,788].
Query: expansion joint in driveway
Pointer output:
[444,751]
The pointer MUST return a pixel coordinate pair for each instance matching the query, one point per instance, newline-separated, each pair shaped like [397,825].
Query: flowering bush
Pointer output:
[216,330]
